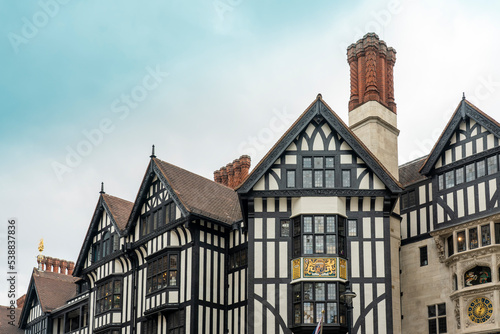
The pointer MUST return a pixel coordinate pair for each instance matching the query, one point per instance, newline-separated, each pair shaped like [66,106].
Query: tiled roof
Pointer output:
[5,328]
[53,289]
[409,172]
[200,195]
[120,209]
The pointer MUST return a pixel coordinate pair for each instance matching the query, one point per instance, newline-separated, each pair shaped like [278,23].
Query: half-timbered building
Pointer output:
[274,250]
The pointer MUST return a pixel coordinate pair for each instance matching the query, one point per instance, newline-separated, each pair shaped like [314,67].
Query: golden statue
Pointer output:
[40,245]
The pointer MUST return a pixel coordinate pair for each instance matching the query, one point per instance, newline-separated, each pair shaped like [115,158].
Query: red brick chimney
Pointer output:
[234,173]
[230,175]
[50,264]
[371,63]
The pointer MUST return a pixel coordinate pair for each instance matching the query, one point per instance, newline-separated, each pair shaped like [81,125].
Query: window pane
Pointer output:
[296,246]
[173,278]
[352,228]
[329,178]
[423,256]
[307,163]
[297,315]
[492,165]
[331,313]
[330,244]
[318,162]
[441,182]
[320,244]
[320,307]
[432,326]
[308,313]
[459,175]
[346,178]
[470,172]
[441,309]
[308,291]
[431,311]
[285,228]
[296,226]
[318,178]
[329,162]
[450,245]
[290,178]
[442,325]
[332,291]
[308,225]
[404,201]
[497,233]
[461,241]
[118,287]
[320,291]
[411,198]
[296,293]
[173,262]
[319,224]
[481,170]
[308,244]
[485,235]
[330,224]
[450,179]
[473,242]
[307,179]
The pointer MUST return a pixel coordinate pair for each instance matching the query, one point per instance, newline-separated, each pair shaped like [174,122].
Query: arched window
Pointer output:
[477,275]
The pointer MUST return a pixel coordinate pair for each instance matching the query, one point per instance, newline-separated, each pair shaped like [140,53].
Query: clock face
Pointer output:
[480,310]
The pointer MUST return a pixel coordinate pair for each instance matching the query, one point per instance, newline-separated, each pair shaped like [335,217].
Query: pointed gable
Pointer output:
[200,195]
[469,132]
[117,210]
[47,290]
[319,130]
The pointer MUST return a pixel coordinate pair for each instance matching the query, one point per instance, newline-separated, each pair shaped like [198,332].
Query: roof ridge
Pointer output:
[413,161]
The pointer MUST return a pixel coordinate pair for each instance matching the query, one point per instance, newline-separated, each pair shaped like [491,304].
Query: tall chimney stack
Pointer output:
[372,110]
[371,63]
[372,117]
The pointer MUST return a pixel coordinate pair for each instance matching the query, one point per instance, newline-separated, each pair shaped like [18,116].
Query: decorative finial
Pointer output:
[153,153]
[463,95]
[319,96]
[102,188]
[40,246]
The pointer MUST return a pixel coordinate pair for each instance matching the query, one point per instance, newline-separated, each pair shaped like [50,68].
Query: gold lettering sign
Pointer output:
[320,267]
[343,268]
[296,269]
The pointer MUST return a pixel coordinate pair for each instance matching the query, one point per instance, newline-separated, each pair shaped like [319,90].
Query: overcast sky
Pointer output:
[86,88]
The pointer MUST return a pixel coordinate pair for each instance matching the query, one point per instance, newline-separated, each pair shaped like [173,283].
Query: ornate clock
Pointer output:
[480,310]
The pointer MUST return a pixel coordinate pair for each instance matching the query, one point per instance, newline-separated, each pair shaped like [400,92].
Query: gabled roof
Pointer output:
[52,290]
[117,209]
[464,109]
[199,195]
[191,193]
[319,108]
[409,172]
